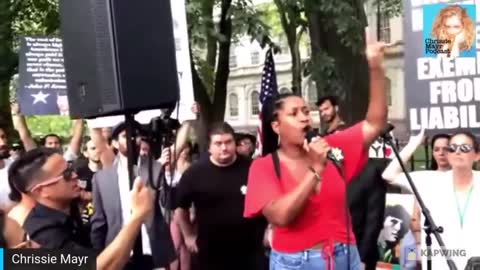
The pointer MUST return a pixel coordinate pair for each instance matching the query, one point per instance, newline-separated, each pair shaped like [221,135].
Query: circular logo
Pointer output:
[243,189]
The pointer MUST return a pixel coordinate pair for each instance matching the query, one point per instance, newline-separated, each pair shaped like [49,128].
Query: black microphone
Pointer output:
[330,156]
[386,132]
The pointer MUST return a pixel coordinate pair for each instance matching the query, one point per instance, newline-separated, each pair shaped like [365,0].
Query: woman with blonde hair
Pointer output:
[173,174]
[452,24]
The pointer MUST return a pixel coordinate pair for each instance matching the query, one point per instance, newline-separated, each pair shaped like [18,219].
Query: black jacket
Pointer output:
[366,196]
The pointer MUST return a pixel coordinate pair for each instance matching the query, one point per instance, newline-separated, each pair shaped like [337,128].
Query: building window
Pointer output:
[233,58]
[284,90]
[255,102]
[233,105]
[383,27]
[255,57]
[388,90]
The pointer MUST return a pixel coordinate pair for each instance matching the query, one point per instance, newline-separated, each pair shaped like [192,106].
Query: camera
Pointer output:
[160,133]
[164,127]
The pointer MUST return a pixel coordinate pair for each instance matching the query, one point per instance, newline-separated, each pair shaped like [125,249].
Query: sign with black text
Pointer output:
[42,86]
[442,66]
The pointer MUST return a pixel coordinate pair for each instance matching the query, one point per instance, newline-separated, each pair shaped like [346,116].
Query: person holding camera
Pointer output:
[112,208]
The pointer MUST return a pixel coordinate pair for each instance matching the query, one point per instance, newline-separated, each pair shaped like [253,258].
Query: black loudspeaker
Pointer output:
[119,56]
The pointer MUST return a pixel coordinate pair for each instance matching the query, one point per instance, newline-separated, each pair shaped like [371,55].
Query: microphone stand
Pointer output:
[430,226]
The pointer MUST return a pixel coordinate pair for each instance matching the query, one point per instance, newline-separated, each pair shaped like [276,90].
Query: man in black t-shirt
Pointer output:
[216,186]
[85,168]
[88,166]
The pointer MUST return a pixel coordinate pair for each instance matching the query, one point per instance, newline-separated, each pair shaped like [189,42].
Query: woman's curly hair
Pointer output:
[438,26]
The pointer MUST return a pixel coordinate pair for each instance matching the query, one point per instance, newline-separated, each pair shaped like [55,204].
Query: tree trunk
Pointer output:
[207,12]
[7,61]
[351,67]
[223,65]
[291,32]
[296,63]
[200,93]
[290,28]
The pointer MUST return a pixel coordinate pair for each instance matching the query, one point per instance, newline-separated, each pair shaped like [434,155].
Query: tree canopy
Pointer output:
[335,30]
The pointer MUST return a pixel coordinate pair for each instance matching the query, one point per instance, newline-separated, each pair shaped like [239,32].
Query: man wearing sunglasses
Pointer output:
[44,174]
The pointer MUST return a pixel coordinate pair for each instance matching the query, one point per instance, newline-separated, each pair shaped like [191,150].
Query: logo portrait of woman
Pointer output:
[396,224]
[454,29]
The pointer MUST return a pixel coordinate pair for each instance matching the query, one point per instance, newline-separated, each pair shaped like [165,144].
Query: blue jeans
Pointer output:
[312,259]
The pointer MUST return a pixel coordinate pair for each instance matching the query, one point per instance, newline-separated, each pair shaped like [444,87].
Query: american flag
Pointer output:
[268,89]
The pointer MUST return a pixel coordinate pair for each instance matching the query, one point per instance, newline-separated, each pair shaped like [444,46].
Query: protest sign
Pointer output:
[442,85]
[180,32]
[42,84]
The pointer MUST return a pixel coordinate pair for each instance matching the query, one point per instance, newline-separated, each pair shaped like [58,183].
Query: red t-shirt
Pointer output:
[323,219]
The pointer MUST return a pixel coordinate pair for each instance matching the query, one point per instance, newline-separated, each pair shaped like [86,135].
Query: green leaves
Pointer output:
[45,124]
[247,20]
[342,16]
[323,70]
[207,74]
[391,8]
[35,17]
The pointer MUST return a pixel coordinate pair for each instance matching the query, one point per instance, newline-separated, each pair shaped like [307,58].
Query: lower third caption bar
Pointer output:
[48,259]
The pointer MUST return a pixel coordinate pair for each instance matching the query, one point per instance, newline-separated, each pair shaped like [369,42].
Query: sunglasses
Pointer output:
[464,148]
[68,174]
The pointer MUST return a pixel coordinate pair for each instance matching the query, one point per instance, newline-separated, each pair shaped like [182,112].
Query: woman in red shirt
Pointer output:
[306,203]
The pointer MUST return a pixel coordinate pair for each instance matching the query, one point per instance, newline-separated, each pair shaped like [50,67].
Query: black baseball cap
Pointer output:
[123,126]
[241,136]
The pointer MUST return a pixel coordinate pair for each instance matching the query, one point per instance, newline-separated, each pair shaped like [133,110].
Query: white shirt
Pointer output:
[124,188]
[176,178]
[5,190]
[437,191]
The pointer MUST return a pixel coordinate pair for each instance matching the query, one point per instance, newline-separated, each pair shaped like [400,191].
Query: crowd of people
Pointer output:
[212,205]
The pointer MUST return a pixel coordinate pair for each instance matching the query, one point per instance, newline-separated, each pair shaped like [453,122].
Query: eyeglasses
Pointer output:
[68,174]
[464,148]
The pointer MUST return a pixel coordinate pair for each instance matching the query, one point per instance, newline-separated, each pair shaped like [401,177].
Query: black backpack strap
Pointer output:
[276,164]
